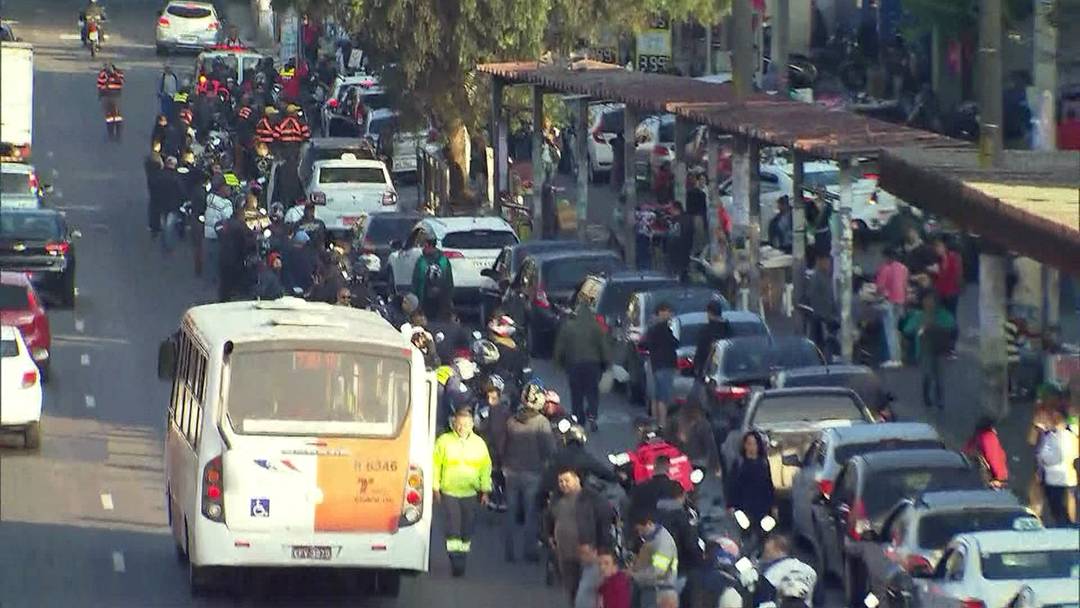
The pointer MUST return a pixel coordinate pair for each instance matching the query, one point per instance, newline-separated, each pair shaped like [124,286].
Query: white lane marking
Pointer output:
[85,360]
[118,562]
[91,402]
[71,37]
[80,325]
[87,339]
[106,502]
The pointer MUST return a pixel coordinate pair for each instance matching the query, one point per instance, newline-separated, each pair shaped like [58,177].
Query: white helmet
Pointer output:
[465,368]
[730,598]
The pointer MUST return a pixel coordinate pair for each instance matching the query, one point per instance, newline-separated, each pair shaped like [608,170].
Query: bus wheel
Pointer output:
[387,584]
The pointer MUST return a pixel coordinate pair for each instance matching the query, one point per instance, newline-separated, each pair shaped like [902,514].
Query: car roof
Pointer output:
[8,332]
[682,292]
[827,370]
[445,225]
[9,277]
[968,499]
[394,215]
[914,431]
[358,80]
[809,390]
[638,275]
[209,5]
[337,142]
[560,254]
[774,342]
[911,459]
[1001,541]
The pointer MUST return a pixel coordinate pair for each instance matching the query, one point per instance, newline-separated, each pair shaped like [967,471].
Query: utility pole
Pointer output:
[780,43]
[742,22]
[990,127]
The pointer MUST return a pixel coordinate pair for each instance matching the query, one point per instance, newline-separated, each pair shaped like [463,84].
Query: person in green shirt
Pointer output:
[462,466]
[930,330]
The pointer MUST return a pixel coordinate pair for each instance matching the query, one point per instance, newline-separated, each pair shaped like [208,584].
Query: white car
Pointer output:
[655,139]
[470,243]
[186,25]
[345,189]
[333,110]
[403,149]
[871,207]
[19,186]
[20,388]
[990,568]
[605,120]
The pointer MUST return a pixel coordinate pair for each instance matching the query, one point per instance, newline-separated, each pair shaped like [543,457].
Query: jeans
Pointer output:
[890,313]
[521,491]
[585,387]
[930,366]
[1057,504]
[170,227]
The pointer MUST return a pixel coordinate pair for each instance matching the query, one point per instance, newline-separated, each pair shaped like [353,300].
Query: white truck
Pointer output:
[16,100]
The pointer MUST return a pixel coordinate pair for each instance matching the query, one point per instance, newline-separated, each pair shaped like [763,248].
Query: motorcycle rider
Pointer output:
[93,12]
[433,280]
[785,581]
[110,85]
[650,447]
[573,454]
[219,207]
[501,331]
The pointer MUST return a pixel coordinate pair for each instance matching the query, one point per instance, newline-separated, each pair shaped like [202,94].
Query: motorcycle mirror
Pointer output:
[202,219]
[76,234]
[742,519]
[871,601]
[618,459]
[564,425]
[297,291]
[768,523]
[206,186]
[526,371]
[477,335]
[744,565]
[697,476]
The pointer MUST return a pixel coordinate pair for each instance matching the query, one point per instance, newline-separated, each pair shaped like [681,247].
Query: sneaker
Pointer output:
[891,364]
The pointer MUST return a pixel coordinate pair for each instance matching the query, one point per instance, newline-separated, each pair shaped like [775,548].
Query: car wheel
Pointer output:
[32,436]
[854,585]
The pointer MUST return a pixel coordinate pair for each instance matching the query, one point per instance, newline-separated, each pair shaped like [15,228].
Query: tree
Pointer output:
[956,17]
[427,50]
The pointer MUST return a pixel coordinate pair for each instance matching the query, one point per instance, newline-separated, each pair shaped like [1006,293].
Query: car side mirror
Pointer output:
[166,364]
[395,244]
[790,460]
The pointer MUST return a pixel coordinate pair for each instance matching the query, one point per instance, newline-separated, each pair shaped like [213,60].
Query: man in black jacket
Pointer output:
[580,516]
[663,358]
[572,455]
[237,243]
[717,329]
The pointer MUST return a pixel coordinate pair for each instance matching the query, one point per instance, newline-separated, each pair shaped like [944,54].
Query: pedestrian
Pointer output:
[171,196]
[692,433]
[525,448]
[154,165]
[579,516]
[930,331]
[781,232]
[681,523]
[462,481]
[219,208]
[749,482]
[168,87]
[892,282]
[644,219]
[236,243]
[645,496]
[919,257]
[717,328]
[618,162]
[662,344]
[582,351]
[820,296]
[985,446]
[680,241]
[656,565]
[1057,455]
[948,281]
[819,218]
[313,226]
[433,281]
[268,285]
[300,262]
[615,589]
[588,590]
[110,87]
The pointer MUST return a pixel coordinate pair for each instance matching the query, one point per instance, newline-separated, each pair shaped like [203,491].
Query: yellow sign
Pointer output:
[654,47]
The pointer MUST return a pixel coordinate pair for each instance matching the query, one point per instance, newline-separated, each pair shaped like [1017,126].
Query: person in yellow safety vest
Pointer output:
[656,566]
[462,483]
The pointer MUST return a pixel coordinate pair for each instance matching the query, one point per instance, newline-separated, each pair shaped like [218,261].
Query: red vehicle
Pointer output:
[21,307]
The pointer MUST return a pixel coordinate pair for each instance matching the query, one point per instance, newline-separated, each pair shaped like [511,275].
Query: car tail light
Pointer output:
[541,300]
[389,198]
[972,603]
[57,248]
[729,392]
[453,255]
[333,103]
[858,523]
[412,509]
[319,198]
[661,150]
[918,565]
[825,486]
[213,497]
[873,176]
[603,323]
[163,21]
[212,26]
[685,362]
[29,378]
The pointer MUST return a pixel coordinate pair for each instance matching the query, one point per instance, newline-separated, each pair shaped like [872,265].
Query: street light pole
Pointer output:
[742,59]
[990,127]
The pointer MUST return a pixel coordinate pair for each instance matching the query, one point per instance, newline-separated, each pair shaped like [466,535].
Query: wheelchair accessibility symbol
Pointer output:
[260,507]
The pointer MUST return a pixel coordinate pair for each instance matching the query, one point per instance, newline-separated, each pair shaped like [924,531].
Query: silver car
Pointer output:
[186,25]
[19,186]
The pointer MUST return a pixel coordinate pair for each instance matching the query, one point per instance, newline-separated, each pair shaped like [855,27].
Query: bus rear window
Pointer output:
[286,392]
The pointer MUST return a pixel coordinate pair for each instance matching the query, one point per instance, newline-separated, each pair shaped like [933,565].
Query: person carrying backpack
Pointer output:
[433,282]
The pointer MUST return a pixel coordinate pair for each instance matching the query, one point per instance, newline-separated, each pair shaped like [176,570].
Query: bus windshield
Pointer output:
[298,392]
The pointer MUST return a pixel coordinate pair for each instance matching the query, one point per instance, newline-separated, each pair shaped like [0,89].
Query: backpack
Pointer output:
[433,277]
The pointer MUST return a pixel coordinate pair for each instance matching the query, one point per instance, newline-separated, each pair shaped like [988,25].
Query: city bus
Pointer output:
[299,434]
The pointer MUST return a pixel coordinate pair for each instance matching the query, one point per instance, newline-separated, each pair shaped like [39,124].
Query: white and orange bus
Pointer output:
[299,434]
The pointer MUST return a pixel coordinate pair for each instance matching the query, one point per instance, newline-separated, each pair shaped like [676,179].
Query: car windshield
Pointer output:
[821,179]
[15,183]
[374,101]
[382,125]
[616,294]
[9,348]
[351,175]
[611,121]
[567,273]
[747,328]
[384,230]
[884,488]
[317,392]
[188,11]
[805,408]
[14,297]
[937,529]
[29,226]
[844,452]
[758,358]
[479,239]
[1026,565]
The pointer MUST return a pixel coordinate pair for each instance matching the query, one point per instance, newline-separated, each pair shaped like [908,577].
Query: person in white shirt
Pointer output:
[218,209]
[1057,454]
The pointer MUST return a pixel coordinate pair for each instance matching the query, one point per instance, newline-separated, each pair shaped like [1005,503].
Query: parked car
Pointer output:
[331,148]
[868,487]
[609,295]
[20,388]
[791,419]
[337,120]
[991,568]
[859,378]
[184,24]
[540,293]
[376,231]
[823,460]
[605,120]
[916,530]
[506,266]
[471,243]
[655,139]
[21,308]
[20,187]
[39,242]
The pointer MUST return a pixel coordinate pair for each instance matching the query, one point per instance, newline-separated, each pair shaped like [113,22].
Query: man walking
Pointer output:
[526,446]
[662,345]
[580,516]
[930,329]
[656,566]
[581,349]
[462,481]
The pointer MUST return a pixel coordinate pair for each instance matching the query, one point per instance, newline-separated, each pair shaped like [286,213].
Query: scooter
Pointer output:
[95,36]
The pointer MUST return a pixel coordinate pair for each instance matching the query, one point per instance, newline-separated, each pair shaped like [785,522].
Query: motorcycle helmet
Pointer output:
[502,326]
[485,352]
[422,340]
[792,587]
[726,551]
[495,383]
[647,430]
[277,212]
[533,395]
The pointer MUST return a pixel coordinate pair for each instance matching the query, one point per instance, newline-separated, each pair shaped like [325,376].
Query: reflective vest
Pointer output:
[107,82]
[186,116]
[291,130]
[265,131]
[462,465]
[244,113]
[643,458]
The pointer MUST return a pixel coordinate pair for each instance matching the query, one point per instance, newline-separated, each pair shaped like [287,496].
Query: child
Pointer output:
[615,588]
[589,584]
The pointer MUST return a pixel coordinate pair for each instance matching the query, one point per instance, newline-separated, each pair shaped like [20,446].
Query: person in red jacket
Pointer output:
[986,447]
[615,588]
[950,275]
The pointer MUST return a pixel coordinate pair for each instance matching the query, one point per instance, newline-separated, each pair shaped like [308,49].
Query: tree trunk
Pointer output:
[456,156]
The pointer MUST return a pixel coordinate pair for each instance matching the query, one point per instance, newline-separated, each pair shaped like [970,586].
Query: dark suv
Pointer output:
[608,295]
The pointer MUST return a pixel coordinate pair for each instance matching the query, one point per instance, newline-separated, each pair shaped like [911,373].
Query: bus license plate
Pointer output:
[308,552]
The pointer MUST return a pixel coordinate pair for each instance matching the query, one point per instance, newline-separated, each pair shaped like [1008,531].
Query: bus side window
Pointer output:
[179,392]
[196,372]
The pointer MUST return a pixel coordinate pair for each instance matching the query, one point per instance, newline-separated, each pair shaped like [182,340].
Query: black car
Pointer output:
[379,230]
[541,291]
[859,378]
[736,365]
[40,243]
[608,295]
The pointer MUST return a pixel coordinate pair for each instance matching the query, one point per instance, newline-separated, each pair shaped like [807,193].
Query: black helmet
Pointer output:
[647,429]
